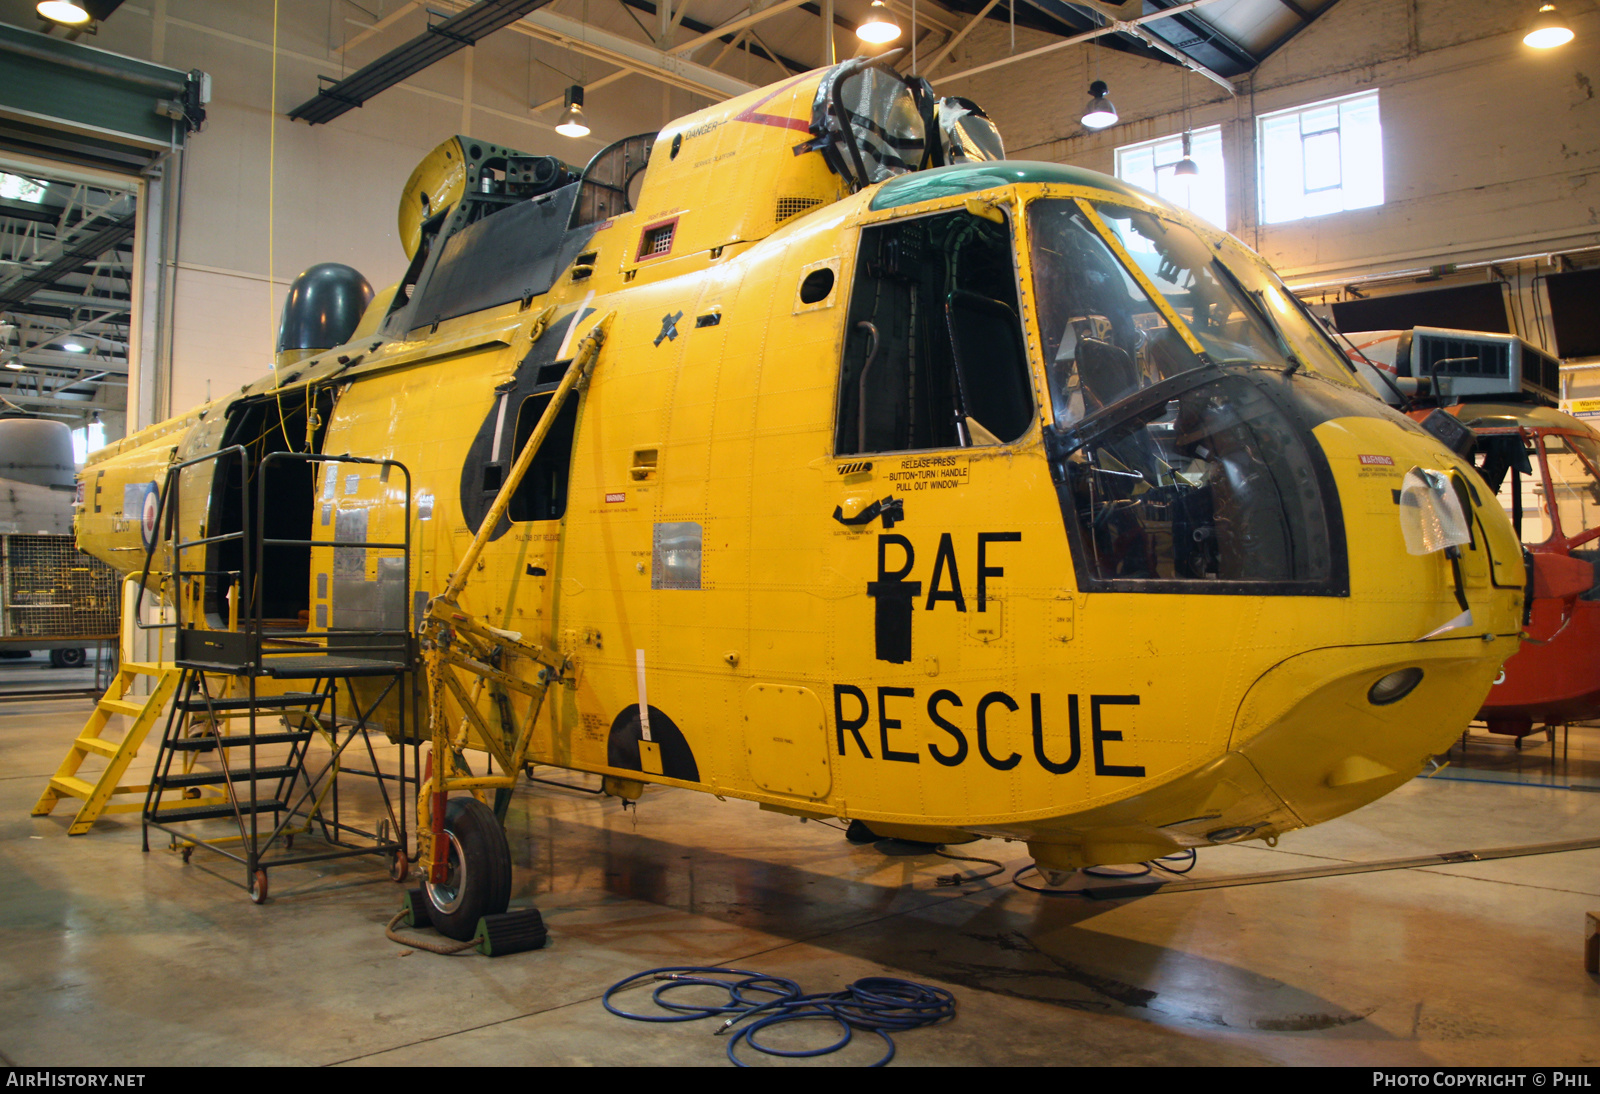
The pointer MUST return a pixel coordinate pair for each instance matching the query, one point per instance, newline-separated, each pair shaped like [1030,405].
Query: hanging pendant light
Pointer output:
[1098,111]
[879,26]
[572,123]
[1549,29]
[68,12]
[1186,168]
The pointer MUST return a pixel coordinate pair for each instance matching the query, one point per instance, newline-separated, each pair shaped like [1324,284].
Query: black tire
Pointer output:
[69,659]
[479,881]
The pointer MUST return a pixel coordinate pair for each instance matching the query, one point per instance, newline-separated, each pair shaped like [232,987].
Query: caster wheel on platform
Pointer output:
[258,888]
[399,867]
[478,880]
[186,853]
[288,842]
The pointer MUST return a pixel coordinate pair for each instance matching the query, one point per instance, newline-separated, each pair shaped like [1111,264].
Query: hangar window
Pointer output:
[18,188]
[1153,166]
[1319,159]
[934,356]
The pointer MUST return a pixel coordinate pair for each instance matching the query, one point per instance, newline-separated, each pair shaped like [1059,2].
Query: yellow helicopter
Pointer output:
[811,453]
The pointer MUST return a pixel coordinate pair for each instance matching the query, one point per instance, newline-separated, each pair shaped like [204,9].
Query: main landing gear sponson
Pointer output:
[479,865]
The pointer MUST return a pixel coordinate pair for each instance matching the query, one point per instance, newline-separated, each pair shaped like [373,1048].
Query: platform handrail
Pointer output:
[262,542]
[167,506]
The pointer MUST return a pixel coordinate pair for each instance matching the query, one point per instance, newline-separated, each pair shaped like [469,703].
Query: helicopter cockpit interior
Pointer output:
[1181,466]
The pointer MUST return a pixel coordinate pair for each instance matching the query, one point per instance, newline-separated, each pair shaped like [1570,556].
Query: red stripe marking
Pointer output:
[749,114]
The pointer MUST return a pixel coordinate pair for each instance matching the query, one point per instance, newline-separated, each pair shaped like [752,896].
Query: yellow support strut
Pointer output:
[453,640]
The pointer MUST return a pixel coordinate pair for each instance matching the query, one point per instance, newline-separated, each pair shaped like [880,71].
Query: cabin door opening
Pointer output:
[282,581]
[934,353]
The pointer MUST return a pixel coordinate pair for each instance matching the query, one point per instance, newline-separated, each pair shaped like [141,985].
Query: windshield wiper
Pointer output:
[1258,301]
[1127,413]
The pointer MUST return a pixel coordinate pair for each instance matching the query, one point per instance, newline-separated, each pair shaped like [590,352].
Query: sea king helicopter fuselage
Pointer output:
[769,458]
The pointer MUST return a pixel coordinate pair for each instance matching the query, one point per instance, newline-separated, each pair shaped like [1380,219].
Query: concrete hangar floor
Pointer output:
[112,957]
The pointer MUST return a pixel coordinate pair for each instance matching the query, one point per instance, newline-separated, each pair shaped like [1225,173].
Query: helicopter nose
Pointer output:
[1333,729]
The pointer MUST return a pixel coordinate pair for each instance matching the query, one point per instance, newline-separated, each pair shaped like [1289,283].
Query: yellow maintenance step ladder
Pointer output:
[143,711]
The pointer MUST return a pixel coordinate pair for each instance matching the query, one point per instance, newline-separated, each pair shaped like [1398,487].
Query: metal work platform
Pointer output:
[267,762]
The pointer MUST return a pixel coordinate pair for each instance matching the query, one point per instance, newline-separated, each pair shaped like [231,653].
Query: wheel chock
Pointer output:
[511,932]
[416,909]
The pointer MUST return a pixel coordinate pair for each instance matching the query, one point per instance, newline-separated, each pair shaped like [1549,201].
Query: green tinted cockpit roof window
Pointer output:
[969,178]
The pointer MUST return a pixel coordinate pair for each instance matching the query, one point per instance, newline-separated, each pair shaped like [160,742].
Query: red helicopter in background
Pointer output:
[1545,467]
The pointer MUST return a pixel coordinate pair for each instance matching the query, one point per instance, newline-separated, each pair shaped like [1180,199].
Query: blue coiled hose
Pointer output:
[875,1004]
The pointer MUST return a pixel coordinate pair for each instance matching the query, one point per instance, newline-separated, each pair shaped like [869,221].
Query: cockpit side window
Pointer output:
[934,354]
[1211,490]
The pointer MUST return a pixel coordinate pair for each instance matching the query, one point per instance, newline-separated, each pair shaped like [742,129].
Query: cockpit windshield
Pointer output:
[1110,330]
[1572,461]
[1227,322]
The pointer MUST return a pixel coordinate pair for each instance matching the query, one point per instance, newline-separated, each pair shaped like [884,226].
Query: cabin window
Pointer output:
[542,494]
[934,354]
[1507,462]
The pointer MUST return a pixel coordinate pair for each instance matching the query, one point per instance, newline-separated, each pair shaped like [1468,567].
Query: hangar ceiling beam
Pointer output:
[609,78]
[959,37]
[626,53]
[22,398]
[1157,42]
[439,41]
[928,15]
[1213,37]
[748,19]
[749,47]
[1087,36]
[379,27]
[70,362]
[72,255]
[61,300]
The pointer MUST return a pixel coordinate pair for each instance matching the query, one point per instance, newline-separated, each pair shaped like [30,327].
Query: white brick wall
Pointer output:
[1492,149]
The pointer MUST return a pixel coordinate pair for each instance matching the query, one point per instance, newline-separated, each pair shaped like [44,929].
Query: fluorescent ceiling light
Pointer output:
[21,189]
